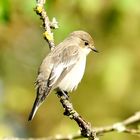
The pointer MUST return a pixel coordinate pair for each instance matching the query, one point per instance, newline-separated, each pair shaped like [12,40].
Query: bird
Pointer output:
[63,68]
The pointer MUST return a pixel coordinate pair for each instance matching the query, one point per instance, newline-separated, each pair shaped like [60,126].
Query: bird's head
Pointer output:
[86,41]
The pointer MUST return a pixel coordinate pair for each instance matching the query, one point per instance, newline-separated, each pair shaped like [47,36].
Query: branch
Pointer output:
[116,127]
[48,35]
[85,127]
[121,127]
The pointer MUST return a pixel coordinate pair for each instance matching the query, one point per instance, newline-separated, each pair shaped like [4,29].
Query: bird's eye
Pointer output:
[86,43]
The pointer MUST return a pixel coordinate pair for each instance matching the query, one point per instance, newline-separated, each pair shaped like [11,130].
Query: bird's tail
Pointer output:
[36,105]
[38,101]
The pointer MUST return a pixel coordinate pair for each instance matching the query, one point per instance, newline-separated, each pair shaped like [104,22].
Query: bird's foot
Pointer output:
[63,93]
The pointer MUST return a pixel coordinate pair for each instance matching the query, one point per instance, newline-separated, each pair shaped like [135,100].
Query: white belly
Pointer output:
[72,79]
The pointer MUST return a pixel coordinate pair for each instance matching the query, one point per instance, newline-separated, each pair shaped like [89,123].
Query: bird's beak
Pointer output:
[94,49]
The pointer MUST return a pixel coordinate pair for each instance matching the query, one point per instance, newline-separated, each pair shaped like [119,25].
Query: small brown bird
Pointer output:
[63,68]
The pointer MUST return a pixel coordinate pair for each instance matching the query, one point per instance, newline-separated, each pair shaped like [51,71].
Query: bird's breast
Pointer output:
[74,76]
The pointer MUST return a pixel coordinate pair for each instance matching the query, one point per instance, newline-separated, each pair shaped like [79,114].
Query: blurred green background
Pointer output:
[110,89]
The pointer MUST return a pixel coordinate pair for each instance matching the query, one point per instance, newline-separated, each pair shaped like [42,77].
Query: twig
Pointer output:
[48,35]
[85,127]
[116,127]
[122,126]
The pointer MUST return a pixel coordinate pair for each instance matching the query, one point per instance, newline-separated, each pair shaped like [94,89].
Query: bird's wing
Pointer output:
[63,61]
[54,68]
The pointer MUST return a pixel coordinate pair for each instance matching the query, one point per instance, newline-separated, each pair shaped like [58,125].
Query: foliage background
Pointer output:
[110,89]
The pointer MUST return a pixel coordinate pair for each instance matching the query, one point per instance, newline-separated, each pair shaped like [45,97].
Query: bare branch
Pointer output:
[122,126]
[100,131]
[132,119]
[116,127]
[85,127]
[48,35]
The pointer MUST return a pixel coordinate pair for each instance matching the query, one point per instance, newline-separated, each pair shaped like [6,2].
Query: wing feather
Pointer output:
[63,61]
